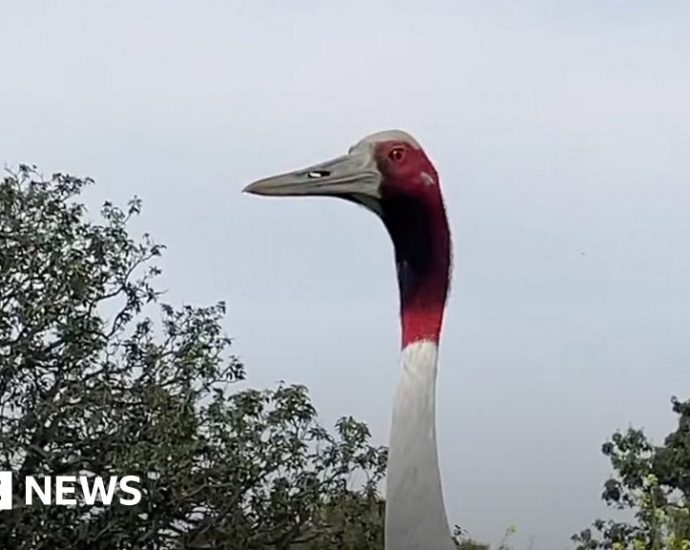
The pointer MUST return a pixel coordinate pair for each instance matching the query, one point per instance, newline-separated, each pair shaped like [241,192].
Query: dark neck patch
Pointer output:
[408,221]
[421,238]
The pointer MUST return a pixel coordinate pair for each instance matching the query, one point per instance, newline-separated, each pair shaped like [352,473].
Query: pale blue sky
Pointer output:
[561,131]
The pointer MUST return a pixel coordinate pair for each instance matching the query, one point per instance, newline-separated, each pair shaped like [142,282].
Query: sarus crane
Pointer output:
[389,174]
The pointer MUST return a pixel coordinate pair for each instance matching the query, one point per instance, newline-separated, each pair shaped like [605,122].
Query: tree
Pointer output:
[652,482]
[90,384]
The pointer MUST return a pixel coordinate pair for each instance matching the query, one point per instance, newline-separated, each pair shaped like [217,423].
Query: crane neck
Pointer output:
[415,510]
[421,237]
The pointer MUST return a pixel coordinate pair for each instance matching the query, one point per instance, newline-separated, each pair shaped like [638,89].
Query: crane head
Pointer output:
[381,167]
[389,173]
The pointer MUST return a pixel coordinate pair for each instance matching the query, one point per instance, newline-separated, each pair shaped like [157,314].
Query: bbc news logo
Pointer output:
[72,490]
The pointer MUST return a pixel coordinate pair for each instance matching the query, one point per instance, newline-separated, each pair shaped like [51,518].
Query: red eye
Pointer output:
[396,154]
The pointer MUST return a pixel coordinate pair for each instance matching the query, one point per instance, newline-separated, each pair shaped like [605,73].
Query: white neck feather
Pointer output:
[415,512]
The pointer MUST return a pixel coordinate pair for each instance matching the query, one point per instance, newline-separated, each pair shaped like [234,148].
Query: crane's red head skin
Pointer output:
[413,211]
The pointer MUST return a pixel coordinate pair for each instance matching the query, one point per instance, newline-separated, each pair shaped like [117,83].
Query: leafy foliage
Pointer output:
[90,384]
[653,482]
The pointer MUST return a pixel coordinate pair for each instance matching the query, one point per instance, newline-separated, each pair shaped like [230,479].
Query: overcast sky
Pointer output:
[561,131]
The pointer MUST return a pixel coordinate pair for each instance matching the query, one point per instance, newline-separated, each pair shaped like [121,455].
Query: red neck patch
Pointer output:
[420,234]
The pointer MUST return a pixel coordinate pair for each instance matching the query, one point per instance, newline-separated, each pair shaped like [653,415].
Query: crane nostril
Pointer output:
[315,174]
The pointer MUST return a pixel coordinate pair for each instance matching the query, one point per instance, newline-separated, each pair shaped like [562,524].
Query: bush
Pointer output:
[90,384]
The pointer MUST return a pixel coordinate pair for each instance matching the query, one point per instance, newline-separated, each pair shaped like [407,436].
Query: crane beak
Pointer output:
[353,176]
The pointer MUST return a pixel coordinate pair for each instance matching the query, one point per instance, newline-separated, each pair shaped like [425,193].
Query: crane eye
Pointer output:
[397,153]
